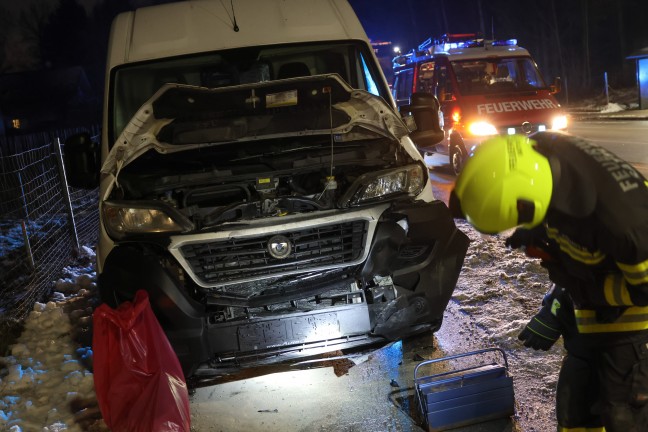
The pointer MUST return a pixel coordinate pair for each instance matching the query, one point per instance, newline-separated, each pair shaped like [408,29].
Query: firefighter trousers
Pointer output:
[605,390]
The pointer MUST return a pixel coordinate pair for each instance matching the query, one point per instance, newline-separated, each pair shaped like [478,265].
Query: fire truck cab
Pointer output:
[485,88]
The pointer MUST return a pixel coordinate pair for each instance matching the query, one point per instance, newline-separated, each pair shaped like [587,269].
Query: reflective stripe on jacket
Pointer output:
[634,318]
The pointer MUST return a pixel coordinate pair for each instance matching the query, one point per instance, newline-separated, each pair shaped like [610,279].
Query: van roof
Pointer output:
[188,27]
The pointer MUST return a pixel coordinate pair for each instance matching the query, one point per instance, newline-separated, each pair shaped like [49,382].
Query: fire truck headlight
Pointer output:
[482,129]
[559,122]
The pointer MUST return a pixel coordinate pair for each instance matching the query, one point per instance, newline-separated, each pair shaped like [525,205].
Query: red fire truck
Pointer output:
[485,88]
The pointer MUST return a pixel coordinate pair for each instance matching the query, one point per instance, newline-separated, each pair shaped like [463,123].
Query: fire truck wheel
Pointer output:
[457,157]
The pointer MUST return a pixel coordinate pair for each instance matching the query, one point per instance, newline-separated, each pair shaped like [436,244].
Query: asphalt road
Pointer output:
[624,133]
[626,138]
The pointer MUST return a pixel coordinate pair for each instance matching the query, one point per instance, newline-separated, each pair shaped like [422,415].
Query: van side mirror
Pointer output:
[426,112]
[81,157]
[556,87]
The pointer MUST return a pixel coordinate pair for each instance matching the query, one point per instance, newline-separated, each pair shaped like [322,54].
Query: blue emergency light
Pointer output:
[507,42]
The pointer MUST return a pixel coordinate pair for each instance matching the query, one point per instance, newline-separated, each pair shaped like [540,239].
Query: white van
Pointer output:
[257,180]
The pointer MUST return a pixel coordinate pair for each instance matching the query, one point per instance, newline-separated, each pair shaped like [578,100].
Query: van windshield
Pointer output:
[498,75]
[133,84]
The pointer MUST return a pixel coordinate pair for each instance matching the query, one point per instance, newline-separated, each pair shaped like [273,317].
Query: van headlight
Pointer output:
[408,180]
[482,128]
[559,122]
[123,218]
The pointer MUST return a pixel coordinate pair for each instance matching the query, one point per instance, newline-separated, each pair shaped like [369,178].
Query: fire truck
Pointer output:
[484,87]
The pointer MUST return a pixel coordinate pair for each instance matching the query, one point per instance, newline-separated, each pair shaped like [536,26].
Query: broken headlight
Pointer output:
[408,180]
[122,219]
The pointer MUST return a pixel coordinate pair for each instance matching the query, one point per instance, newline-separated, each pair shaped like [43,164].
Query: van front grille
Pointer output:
[234,259]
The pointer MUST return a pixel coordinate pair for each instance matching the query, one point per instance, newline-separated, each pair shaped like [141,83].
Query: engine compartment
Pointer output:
[274,178]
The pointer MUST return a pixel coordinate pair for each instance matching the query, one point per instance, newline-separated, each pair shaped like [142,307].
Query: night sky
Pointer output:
[579,40]
[408,22]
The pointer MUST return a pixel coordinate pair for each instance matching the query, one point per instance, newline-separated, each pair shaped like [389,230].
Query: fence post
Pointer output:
[66,193]
[23,195]
[28,249]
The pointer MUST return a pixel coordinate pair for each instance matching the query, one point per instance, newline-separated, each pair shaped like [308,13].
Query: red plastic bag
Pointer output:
[138,379]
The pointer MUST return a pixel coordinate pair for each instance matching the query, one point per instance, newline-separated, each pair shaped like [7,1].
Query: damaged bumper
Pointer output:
[352,279]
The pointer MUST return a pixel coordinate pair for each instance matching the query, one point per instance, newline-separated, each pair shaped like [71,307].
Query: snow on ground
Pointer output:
[46,383]
[612,108]
[616,100]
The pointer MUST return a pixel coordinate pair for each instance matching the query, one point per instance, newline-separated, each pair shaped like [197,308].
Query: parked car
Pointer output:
[260,184]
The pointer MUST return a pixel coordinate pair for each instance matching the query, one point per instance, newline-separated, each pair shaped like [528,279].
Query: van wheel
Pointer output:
[457,158]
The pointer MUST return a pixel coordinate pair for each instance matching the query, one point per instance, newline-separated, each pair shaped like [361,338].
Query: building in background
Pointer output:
[641,57]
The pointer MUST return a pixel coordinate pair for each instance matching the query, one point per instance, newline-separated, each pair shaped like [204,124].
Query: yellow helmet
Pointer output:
[505,184]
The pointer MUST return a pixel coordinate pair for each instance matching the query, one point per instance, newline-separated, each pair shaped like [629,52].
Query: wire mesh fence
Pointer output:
[42,220]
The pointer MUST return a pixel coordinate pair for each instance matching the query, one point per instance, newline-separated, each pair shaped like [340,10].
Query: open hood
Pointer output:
[182,117]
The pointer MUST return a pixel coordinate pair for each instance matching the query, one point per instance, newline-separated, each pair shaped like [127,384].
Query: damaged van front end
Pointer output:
[274,221]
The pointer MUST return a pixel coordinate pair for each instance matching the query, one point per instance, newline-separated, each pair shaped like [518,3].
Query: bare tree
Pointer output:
[445,16]
[32,22]
[482,27]
[556,34]
[586,49]
[63,38]
[6,20]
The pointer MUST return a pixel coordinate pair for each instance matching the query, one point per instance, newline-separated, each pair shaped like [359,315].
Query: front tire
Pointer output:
[457,157]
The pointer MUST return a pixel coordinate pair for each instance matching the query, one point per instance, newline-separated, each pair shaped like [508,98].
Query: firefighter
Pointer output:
[576,410]
[589,208]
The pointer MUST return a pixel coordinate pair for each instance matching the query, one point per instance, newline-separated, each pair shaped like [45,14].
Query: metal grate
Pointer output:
[233,259]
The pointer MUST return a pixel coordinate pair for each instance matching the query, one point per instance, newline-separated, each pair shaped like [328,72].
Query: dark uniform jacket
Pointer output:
[597,229]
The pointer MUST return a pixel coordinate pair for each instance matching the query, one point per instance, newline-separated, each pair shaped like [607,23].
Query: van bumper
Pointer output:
[423,264]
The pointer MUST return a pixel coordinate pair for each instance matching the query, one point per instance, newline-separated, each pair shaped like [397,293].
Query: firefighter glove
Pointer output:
[544,329]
